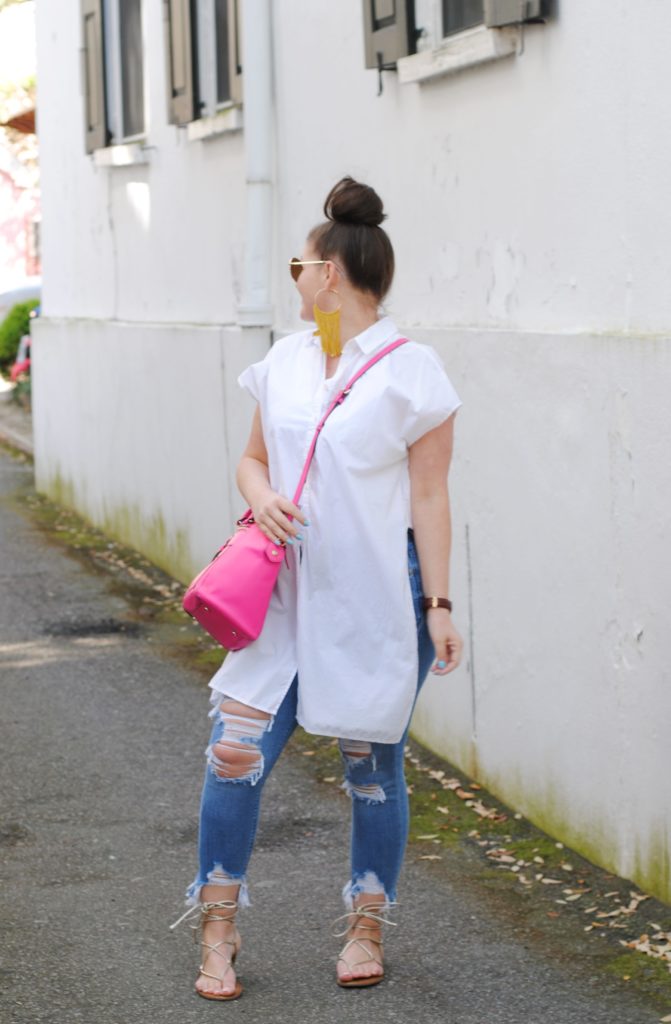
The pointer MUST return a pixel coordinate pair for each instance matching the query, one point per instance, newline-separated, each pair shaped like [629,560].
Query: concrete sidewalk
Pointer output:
[102,739]
[16,423]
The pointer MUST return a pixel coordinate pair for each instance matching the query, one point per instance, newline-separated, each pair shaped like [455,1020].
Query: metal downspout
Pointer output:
[255,308]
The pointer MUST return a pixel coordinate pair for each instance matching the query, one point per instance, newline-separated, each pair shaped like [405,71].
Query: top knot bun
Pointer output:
[365,257]
[350,202]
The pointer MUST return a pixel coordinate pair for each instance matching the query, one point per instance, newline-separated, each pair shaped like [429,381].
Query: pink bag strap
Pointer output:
[338,400]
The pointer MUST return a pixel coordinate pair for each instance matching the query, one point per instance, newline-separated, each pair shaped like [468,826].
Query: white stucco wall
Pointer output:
[140,427]
[561,572]
[527,201]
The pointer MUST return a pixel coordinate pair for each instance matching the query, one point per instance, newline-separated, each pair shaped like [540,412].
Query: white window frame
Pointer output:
[114,85]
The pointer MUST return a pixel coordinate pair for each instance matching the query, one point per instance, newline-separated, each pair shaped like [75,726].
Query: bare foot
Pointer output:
[220,944]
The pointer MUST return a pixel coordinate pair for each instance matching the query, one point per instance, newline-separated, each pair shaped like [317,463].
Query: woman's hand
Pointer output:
[446,640]
[278,517]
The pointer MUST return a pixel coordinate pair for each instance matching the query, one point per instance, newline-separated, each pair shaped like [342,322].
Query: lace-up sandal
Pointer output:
[363,919]
[226,949]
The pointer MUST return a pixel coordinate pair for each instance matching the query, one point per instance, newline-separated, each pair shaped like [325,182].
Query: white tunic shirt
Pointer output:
[341,615]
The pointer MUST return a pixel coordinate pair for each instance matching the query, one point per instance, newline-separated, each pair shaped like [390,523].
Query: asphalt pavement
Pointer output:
[102,738]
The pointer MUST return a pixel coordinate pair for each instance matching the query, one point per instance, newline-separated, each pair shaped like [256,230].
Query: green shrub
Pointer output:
[12,329]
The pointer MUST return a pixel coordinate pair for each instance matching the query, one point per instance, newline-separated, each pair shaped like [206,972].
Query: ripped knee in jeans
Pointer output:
[236,755]
[360,765]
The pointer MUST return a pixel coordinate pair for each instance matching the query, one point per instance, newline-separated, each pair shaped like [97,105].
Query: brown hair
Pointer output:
[352,236]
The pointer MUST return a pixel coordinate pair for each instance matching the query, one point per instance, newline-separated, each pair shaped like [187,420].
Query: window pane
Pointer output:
[130,31]
[460,14]
[223,65]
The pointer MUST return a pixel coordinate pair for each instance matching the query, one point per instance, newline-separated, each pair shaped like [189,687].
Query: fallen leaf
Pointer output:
[553,913]
[437,775]
[464,794]
[552,881]
[502,858]
[430,856]
[443,810]
[567,867]
[309,753]
[433,836]
[665,1020]
[480,809]
[331,778]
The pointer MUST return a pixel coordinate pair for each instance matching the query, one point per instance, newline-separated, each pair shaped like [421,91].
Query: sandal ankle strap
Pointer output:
[366,912]
[205,910]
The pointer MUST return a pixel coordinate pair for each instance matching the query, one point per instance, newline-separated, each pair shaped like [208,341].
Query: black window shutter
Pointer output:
[96,133]
[511,12]
[389,30]
[180,36]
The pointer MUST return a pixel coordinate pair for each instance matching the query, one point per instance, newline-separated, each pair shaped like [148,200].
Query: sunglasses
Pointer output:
[296,266]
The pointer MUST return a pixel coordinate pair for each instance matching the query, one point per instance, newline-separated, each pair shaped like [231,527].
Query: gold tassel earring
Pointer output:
[328,325]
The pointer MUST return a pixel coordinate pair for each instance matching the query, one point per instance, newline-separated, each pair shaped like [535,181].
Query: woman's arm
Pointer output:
[429,463]
[271,510]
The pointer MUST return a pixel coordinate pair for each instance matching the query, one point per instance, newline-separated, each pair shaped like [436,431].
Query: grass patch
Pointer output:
[647,977]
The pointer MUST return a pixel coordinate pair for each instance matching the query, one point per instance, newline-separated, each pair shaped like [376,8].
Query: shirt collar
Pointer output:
[374,336]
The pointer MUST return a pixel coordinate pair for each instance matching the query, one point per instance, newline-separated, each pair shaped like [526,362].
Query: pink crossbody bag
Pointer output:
[230,596]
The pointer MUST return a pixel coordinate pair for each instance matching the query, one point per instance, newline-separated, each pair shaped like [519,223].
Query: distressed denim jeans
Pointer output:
[374,779]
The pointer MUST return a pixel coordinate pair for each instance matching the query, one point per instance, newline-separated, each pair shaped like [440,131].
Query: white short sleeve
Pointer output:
[431,397]
[253,379]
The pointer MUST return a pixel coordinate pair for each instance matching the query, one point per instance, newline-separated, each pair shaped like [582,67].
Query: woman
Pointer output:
[347,642]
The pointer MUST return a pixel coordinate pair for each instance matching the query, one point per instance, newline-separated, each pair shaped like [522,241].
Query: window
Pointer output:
[204,51]
[123,46]
[132,89]
[113,72]
[461,14]
[221,36]
[394,29]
